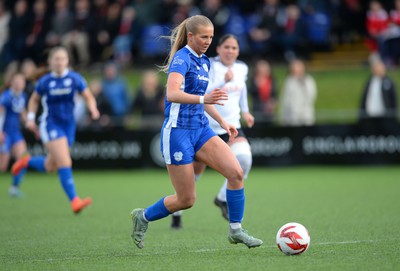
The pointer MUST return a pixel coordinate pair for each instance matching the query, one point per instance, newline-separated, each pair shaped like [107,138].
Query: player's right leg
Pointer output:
[59,157]
[176,223]
[183,182]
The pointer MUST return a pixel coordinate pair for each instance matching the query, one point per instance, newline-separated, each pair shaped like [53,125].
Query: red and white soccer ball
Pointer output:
[293,239]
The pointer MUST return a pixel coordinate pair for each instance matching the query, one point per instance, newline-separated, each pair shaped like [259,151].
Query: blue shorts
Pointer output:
[179,146]
[51,131]
[10,140]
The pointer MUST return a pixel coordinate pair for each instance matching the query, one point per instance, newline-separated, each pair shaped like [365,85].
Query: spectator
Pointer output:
[393,44]
[5,17]
[77,39]
[184,9]
[293,32]
[264,35]
[147,11]
[377,27]
[263,91]
[104,121]
[61,23]
[128,35]
[379,98]
[10,70]
[298,97]
[352,20]
[35,43]
[18,31]
[149,100]
[169,8]
[116,93]
[104,32]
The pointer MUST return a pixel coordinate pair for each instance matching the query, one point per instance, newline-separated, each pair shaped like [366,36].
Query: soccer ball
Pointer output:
[293,239]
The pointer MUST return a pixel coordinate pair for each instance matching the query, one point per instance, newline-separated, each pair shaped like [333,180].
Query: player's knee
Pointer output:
[242,152]
[187,201]
[235,175]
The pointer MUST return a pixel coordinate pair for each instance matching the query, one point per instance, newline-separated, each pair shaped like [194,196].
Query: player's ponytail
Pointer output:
[179,35]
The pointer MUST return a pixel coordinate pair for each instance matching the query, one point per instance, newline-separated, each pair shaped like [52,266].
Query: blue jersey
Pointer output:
[57,94]
[194,69]
[14,105]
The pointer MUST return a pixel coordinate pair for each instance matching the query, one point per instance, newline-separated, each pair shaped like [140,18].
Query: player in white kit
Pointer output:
[229,74]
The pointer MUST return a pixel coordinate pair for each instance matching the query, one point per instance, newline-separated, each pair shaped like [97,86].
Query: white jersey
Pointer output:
[236,89]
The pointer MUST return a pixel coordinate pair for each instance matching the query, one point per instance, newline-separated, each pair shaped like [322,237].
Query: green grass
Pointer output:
[352,214]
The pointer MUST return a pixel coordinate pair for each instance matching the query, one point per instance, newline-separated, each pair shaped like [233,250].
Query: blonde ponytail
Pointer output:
[179,35]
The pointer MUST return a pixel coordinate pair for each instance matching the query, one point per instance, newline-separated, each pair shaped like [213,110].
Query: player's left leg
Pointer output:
[216,154]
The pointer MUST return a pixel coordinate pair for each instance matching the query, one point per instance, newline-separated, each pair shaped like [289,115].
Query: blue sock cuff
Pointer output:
[37,163]
[235,193]
[156,211]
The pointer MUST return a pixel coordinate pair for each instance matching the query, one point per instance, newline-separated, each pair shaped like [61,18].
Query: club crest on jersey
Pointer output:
[67,82]
[52,84]
[205,67]
[178,156]
[53,134]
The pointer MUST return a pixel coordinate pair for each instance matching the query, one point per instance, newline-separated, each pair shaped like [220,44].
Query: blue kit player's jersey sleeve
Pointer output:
[180,64]
[194,69]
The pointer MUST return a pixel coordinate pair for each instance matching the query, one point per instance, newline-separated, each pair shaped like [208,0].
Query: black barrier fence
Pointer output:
[371,142]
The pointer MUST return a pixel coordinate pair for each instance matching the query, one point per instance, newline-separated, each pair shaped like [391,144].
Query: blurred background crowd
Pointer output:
[112,36]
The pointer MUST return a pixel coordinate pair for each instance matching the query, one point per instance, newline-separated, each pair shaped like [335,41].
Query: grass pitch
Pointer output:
[352,214]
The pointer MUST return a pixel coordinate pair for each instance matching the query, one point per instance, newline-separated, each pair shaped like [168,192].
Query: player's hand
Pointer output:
[249,119]
[230,129]
[216,97]
[95,114]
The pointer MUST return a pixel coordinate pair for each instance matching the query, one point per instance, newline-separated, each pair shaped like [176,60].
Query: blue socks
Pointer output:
[67,182]
[18,178]
[37,163]
[156,211]
[235,201]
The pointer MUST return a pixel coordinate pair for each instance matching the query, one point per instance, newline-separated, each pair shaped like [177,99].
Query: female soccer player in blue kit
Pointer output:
[56,90]
[230,75]
[12,109]
[186,135]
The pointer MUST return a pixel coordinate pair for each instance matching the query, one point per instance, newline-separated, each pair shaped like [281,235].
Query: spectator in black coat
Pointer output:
[379,98]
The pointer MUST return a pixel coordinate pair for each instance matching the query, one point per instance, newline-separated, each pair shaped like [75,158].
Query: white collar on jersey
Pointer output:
[193,52]
[60,76]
